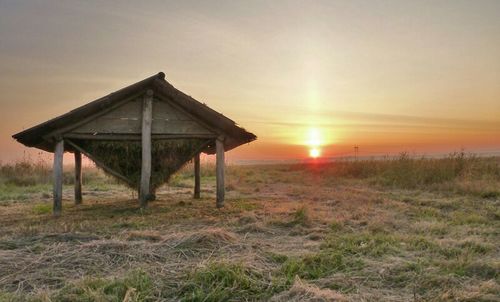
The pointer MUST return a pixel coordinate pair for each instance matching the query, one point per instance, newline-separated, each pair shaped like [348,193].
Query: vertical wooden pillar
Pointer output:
[197,180]
[58,177]
[78,177]
[219,145]
[147,112]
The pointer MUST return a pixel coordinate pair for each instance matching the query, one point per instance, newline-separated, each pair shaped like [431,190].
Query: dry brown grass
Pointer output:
[345,238]
[148,235]
[302,291]
[207,239]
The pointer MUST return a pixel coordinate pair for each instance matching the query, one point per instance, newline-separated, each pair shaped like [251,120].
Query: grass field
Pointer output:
[399,229]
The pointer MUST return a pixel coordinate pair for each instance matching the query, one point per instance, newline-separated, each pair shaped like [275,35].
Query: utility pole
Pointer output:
[356,151]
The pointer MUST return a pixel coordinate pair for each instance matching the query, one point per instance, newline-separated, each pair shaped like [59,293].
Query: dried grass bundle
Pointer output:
[304,292]
[124,157]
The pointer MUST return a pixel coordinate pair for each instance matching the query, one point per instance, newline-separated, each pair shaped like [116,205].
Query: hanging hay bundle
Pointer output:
[124,157]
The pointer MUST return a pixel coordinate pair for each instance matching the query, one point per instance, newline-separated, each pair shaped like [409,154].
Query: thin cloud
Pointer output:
[384,121]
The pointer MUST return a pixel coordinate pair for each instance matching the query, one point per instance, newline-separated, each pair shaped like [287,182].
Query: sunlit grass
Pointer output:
[401,229]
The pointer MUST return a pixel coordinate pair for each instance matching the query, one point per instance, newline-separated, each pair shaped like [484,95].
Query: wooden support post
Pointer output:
[219,146]
[197,178]
[147,110]
[58,177]
[78,177]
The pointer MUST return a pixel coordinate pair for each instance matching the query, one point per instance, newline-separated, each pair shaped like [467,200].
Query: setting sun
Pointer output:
[314,141]
[314,152]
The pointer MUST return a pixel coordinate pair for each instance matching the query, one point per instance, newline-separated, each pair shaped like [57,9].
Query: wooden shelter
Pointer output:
[141,135]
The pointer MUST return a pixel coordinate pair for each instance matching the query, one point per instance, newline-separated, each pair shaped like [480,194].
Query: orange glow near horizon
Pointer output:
[314,141]
[309,79]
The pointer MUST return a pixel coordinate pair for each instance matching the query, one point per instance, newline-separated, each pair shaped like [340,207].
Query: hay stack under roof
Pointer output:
[110,131]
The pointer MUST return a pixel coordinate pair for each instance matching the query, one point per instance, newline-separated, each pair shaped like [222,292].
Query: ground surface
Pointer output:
[287,233]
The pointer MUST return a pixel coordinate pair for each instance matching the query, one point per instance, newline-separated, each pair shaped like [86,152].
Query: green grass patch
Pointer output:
[400,275]
[362,244]
[490,194]
[42,208]
[314,266]
[243,205]
[463,218]
[420,243]
[464,267]
[137,285]
[276,257]
[22,193]
[134,287]
[300,216]
[225,282]
[336,226]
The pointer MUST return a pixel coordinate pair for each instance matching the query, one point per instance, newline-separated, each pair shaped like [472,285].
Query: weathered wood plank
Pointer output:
[123,119]
[219,173]
[147,110]
[82,121]
[177,127]
[126,119]
[58,177]
[197,176]
[133,137]
[177,136]
[78,177]
[170,119]
[103,136]
[167,99]
[165,111]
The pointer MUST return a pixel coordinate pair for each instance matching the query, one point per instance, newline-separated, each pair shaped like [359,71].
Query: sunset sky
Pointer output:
[387,76]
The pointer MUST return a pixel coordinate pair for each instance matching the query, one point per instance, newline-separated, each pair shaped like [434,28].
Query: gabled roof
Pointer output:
[234,135]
